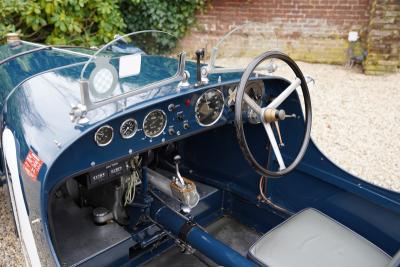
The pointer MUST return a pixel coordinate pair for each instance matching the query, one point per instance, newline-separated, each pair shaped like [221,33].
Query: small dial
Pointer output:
[154,123]
[128,128]
[104,135]
[255,90]
[209,107]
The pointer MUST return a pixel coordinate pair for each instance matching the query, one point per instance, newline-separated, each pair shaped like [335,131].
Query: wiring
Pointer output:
[133,180]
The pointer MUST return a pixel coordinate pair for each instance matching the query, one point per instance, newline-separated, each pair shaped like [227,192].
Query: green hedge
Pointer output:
[93,22]
[173,16]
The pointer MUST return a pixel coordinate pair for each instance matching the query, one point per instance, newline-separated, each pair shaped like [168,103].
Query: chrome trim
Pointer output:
[25,53]
[132,134]
[87,102]
[112,135]
[65,51]
[220,114]
[165,123]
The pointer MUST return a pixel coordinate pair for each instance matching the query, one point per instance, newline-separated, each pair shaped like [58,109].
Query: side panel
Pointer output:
[22,218]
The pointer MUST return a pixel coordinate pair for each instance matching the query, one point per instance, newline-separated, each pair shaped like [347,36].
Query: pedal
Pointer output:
[102,215]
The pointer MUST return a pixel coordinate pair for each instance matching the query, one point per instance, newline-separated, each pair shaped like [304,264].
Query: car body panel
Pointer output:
[39,89]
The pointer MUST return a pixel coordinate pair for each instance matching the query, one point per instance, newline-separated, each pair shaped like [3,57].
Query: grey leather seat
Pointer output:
[312,239]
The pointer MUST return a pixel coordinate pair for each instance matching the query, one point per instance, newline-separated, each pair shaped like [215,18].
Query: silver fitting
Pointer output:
[13,39]
[204,75]
[78,114]
[185,80]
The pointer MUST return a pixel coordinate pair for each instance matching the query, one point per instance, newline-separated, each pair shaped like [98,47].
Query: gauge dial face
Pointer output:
[104,135]
[128,128]
[209,107]
[255,90]
[154,123]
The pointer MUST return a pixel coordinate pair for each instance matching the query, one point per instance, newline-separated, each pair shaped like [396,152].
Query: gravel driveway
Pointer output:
[10,249]
[356,122]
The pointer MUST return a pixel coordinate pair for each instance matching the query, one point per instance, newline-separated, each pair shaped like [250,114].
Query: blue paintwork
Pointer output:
[202,241]
[37,98]
[317,182]
[15,71]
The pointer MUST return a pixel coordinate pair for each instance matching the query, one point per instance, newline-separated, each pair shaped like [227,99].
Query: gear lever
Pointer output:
[177,160]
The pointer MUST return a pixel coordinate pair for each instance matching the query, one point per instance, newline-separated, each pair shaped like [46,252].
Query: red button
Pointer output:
[187,102]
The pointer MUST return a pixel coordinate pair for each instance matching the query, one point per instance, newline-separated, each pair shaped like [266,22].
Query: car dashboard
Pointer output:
[171,119]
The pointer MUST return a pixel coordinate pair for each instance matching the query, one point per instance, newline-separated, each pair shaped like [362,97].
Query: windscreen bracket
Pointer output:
[78,112]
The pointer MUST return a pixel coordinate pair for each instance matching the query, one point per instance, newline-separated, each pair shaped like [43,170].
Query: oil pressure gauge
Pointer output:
[104,135]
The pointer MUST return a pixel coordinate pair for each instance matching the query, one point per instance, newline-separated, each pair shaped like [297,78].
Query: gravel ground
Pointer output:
[10,248]
[356,123]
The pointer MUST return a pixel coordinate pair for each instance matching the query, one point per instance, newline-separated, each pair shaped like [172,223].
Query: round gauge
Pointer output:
[209,107]
[128,128]
[104,135]
[255,90]
[154,123]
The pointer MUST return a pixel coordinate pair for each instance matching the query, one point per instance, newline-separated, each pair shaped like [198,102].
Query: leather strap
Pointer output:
[185,229]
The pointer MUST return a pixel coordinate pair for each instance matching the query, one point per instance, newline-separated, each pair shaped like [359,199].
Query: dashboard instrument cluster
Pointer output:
[182,115]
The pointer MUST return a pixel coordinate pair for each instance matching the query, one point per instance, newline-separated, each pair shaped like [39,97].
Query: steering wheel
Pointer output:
[271,114]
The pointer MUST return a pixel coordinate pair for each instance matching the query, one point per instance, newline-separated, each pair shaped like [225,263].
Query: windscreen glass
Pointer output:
[238,47]
[129,63]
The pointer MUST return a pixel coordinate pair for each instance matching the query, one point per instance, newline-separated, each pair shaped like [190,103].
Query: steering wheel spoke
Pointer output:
[285,94]
[274,145]
[271,114]
[252,104]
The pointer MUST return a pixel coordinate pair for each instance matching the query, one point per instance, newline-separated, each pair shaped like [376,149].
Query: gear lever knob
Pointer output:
[177,159]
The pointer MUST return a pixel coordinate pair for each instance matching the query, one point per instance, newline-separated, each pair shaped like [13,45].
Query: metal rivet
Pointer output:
[130,151]
[92,163]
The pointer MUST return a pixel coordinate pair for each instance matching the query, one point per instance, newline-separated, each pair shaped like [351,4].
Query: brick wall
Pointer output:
[309,30]
[383,42]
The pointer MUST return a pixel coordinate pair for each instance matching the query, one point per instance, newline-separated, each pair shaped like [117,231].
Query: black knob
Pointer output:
[199,55]
[179,116]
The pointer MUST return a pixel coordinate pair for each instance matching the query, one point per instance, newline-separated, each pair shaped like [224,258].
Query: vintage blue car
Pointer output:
[132,154]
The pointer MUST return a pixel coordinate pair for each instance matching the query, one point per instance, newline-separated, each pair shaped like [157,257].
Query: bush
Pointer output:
[77,22]
[173,16]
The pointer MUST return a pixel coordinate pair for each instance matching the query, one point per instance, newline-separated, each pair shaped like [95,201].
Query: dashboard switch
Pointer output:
[171,107]
[179,115]
[186,125]
[171,131]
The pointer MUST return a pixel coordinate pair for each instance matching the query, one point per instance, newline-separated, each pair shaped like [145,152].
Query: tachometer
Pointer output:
[154,123]
[104,135]
[209,107]
[128,128]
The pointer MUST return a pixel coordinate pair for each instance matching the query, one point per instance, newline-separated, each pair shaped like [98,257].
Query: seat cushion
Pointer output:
[310,239]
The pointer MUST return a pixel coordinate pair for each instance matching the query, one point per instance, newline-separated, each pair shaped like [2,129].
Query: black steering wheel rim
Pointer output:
[239,118]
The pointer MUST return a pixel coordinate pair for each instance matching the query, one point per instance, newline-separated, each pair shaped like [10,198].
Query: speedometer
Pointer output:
[154,123]
[209,107]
